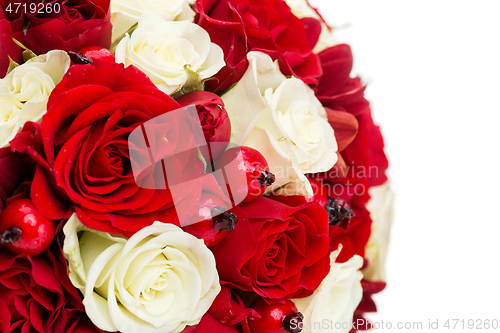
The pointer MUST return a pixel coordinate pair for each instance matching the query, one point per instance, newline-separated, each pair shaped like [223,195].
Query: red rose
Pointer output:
[277,250]
[36,295]
[214,121]
[241,26]
[86,161]
[11,26]
[78,24]
[15,171]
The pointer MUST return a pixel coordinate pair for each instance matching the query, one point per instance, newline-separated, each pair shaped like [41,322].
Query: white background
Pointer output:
[433,70]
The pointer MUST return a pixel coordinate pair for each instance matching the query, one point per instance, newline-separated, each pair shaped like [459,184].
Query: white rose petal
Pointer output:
[24,92]
[380,207]
[301,9]
[126,13]
[160,280]
[335,299]
[281,118]
[161,49]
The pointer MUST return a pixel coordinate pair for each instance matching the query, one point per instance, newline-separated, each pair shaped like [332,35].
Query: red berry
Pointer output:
[23,229]
[275,318]
[245,174]
[320,192]
[91,53]
[214,220]
[97,52]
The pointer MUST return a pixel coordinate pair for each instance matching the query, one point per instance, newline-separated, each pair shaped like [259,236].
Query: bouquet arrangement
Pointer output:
[185,166]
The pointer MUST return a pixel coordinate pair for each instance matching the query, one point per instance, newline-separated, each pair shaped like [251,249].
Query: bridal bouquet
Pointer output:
[185,166]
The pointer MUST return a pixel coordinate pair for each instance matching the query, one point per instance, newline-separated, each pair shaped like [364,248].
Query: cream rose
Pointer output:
[301,9]
[126,13]
[380,207]
[161,49]
[335,299]
[281,118]
[159,280]
[24,92]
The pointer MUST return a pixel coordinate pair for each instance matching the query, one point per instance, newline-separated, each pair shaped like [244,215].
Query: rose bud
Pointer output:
[214,121]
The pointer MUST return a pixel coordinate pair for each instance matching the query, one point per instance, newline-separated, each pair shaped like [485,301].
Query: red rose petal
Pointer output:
[43,274]
[14,171]
[44,199]
[229,311]
[312,28]
[36,319]
[5,318]
[210,324]
[132,223]
[29,141]
[96,224]
[21,306]
[336,62]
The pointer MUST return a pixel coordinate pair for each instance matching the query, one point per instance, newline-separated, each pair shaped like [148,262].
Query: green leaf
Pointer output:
[115,43]
[12,65]
[200,156]
[27,53]
[194,82]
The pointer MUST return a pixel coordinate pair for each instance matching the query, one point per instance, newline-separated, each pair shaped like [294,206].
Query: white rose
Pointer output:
[282,119]
[301,9]
[24,92]
[161,49]
[126,13]
[335,299]
[380,207]
[159,280]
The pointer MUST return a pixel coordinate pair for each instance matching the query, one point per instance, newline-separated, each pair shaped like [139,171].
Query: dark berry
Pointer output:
[339,212]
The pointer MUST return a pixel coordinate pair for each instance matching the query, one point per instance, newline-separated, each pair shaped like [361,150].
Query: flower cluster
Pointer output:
[185,166]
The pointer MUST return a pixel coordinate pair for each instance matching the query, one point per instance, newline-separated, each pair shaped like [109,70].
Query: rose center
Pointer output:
[115,159]
[155,284]
[73,14]
[206,118]
[171,50]
[272,251]
[149,279]
[308,128]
